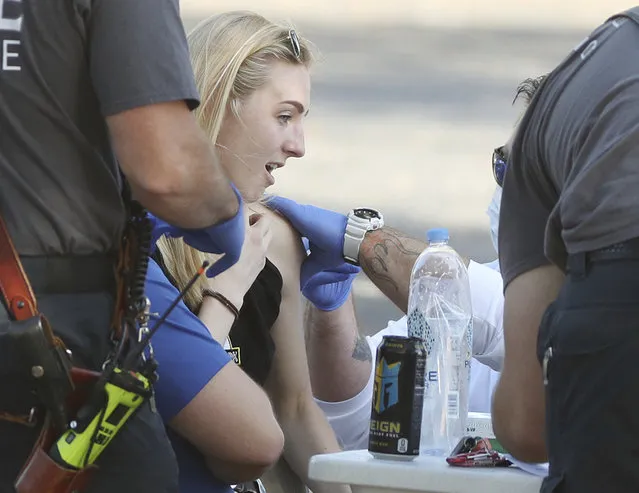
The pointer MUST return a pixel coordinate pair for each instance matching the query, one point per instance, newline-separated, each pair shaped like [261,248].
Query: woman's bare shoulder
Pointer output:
[286,246]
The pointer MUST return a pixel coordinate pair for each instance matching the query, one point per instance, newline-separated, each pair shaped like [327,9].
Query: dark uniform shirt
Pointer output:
[64,66]
[573,177]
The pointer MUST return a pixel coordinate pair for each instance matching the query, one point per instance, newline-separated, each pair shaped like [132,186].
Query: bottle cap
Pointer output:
[437,235]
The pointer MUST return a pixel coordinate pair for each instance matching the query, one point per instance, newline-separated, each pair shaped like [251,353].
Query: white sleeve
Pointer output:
[350,419]
[483,381]
[486,287]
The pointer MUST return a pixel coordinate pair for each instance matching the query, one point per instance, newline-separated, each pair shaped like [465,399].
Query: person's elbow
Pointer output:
[232,424]
[519,426]
[264,444]
[520,441]
[267,443]
[259,443]
[161,187]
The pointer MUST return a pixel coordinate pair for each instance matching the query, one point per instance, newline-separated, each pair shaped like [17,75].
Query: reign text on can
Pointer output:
[398,394]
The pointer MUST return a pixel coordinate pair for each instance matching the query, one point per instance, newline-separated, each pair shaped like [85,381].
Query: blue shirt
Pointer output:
[188,358]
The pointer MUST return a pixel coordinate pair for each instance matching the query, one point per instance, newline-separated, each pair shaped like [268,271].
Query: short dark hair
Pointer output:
[528,88]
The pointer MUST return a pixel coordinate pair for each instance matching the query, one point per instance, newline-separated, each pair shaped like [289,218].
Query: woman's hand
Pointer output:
[236,281]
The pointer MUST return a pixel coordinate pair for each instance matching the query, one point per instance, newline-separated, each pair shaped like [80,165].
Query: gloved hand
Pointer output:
[224,238]
[329,289]
[325,278]
[324,230]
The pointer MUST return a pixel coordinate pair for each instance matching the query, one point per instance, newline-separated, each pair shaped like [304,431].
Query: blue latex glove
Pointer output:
[329,289]
[323,228]
[224,238]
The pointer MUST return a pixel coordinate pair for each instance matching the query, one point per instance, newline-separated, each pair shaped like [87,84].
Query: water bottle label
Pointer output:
[419,327]
[469,334]
[429,339]
[469,348]
[417,324]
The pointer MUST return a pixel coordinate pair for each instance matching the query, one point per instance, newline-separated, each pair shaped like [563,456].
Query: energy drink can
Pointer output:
[398,397]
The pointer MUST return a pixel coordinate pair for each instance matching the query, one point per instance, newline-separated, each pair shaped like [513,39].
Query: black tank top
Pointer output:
[251,344]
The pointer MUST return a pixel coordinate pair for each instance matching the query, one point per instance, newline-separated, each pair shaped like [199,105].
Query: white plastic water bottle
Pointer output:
[440,312]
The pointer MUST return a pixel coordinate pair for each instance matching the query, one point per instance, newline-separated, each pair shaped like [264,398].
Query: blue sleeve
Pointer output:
[187,354]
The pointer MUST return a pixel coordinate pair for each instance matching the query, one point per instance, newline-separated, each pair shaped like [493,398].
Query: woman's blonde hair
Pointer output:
[231,54]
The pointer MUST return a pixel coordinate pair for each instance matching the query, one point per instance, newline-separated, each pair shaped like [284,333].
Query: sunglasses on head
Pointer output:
[295,44]
[499,165]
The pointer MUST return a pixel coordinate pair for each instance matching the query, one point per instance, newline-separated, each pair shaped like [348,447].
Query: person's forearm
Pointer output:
[217,317]
[307,433]
[171,165]
[387,257]
[212,198]
[519,402]
[339,358]
[199,194]
[525,442]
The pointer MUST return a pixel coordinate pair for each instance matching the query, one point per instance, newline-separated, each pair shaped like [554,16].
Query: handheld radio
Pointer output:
[96,424]
[116,396]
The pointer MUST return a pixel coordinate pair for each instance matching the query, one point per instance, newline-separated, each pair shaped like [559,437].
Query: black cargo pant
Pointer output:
[76,296]
[589,338]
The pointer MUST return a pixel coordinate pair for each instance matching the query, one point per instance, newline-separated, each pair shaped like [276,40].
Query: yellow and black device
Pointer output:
[100,420]
[116,396]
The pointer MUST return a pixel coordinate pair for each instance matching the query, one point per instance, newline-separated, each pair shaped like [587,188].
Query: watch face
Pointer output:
[365,213]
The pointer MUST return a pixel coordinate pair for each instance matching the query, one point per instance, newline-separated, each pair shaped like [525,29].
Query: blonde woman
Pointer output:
[254,82]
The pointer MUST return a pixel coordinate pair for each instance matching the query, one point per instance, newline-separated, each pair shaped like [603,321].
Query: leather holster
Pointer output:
[40,473]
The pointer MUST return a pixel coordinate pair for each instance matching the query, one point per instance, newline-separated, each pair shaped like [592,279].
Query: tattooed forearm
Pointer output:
[387,257]
[339,361]
[387,249]
[391,240]
[361,351]
[377,265]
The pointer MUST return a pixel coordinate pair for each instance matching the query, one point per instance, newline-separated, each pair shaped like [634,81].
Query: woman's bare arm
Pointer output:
[306,430]
[230,421]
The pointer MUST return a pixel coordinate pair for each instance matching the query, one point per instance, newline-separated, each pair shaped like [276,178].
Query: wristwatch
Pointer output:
[360,221]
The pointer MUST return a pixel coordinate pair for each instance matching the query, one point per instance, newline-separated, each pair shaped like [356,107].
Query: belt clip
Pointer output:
[578,264]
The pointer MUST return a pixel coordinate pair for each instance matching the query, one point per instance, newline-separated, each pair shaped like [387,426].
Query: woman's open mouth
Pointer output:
[270,167]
